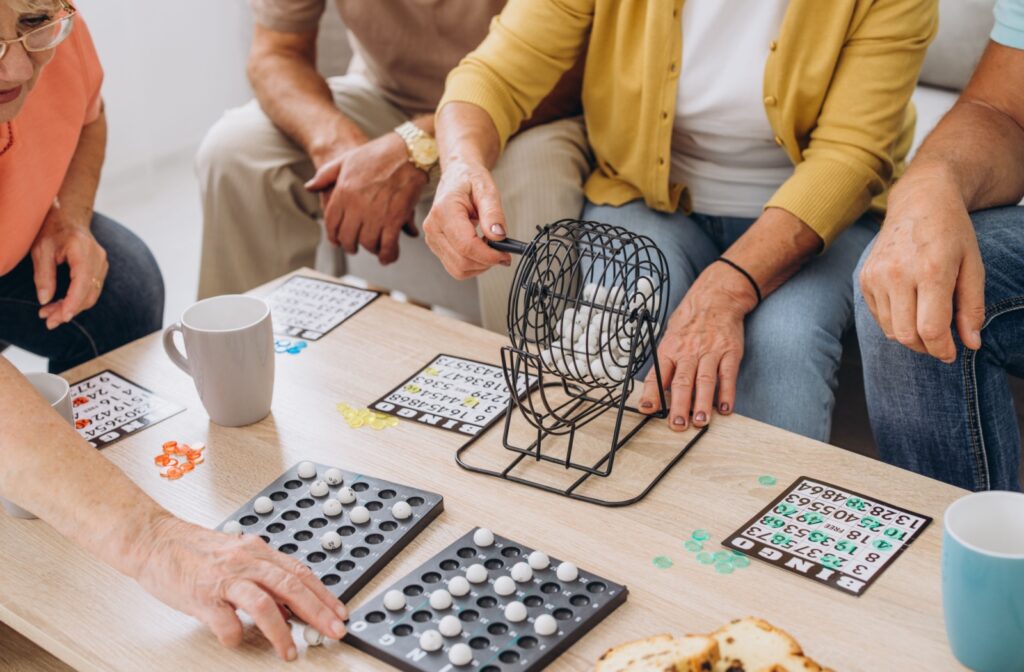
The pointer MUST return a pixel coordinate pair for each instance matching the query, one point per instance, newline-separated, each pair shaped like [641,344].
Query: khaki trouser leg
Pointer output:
[540,178]
[259,222]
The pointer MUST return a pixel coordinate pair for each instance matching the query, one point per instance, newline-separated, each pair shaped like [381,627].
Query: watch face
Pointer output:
[424,151]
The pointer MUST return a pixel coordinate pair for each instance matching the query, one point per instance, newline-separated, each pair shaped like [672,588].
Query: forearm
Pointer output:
[47,468]
[77,194]
[296,97]
[465,132]
[772,250]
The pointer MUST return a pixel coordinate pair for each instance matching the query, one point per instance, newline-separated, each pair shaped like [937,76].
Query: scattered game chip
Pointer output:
[283,345]
[700,535]
[662,562]
[364,417]
[766,480]
[179,459]
[693,546]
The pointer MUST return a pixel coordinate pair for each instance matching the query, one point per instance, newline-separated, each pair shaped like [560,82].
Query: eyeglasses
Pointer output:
[47,36]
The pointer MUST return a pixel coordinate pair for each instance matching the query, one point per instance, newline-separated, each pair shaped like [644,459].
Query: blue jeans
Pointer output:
[956,422]
[130,306]
[793,341]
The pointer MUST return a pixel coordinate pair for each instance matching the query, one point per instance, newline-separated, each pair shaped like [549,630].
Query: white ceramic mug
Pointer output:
[56,391]
[229,353]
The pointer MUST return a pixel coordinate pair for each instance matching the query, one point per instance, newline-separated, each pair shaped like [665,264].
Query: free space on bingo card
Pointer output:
[830,535]
[309,308]
[108,407]
[452,393]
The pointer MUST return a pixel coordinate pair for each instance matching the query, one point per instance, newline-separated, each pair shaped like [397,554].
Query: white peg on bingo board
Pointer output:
[451,393]
[828,534]
[310,308]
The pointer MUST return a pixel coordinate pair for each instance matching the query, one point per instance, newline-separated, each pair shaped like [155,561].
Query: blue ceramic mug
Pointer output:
[983,580]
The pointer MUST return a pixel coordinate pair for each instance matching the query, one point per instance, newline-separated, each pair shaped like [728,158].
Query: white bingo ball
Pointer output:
[589,291]
[545,625]
[232,527]
[318,489]
[332,508]
[312,637]
[450,626]
[440,599]
[483,537]
[394,600]
[334,476]
[401,510]
[521,572]
[476,573]
[567,572]
[460,655]
[263,505]
[458,586]
[504,585]
[307,470]
[431,641]
[331,541]
[539,560]
[359,515]
[346,495]
[515,612]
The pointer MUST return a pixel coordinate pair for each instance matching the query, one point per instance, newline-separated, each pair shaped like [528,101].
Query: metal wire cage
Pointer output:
[585,313]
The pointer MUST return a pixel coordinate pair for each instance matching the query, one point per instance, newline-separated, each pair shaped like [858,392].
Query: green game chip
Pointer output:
[741,561]
[700,535]
[705,558]
[766,480]
[724,568]
[662,562]
[693,546]
[722,556]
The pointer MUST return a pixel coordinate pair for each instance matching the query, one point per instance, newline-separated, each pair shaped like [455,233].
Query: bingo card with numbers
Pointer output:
[108,407]
[460,395]
[831,535]
[309,308]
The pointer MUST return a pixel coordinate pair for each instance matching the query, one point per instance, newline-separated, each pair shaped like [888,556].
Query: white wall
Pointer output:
[171,69]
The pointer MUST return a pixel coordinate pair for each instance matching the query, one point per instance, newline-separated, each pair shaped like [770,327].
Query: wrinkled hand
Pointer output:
[373,197]
[925,259]
[209,575]
[466,198]
[59,241]
[702,348]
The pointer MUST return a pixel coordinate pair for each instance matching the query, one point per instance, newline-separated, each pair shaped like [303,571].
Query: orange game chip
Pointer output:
[82,423]
[193,455]
[197,462]
[172,474]
[161,460]
[187,467]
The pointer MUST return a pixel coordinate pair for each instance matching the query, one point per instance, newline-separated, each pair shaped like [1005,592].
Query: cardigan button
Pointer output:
[778,141]
[770,100]
[664,115]
[661,160]
[773,45]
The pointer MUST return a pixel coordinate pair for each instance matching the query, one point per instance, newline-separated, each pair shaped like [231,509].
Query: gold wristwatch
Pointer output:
[422,148]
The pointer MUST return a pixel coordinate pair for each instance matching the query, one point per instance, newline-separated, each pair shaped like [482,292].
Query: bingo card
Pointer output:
[460,395]
[823,532]
[309,308]
[108,407]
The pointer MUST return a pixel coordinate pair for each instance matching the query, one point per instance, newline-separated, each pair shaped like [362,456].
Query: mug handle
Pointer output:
[172,349]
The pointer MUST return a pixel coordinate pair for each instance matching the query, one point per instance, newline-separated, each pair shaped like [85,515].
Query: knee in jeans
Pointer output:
[778,342]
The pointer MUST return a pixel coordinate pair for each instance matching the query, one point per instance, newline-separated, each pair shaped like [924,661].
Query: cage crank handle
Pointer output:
[509,245]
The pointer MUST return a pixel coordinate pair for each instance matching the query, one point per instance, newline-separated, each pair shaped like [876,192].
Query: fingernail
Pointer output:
[342,613]
[292,654]
[679,421]
[723,407]
[647,404]
[701,417]
[497,230]
[338,628]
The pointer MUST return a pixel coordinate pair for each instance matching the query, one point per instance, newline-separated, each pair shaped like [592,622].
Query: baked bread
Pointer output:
[753,645]
[662,653]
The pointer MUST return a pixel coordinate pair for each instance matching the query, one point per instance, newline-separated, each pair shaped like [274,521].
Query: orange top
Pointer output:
[65,98]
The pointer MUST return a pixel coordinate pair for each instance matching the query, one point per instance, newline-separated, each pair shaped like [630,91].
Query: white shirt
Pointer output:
[723,148]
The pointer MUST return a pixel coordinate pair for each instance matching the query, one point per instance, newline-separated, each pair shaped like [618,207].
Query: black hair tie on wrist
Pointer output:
[750,278]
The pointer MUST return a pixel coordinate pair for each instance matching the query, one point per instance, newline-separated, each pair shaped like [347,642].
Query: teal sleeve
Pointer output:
[1009,28]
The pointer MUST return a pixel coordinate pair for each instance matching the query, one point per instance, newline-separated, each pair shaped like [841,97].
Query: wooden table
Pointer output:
[95,619]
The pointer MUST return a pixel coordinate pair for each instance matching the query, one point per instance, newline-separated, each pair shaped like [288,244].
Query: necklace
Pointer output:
[10,139]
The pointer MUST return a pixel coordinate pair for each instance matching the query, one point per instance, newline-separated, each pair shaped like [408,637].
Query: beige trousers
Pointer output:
[259,222]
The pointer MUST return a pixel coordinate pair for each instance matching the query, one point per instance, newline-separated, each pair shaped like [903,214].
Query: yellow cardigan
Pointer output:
[837,88]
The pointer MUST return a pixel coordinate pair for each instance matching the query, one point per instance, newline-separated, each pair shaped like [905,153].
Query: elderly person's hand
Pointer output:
[702,348]
[369,194]
[210,575]
[925,261]
[64,238]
